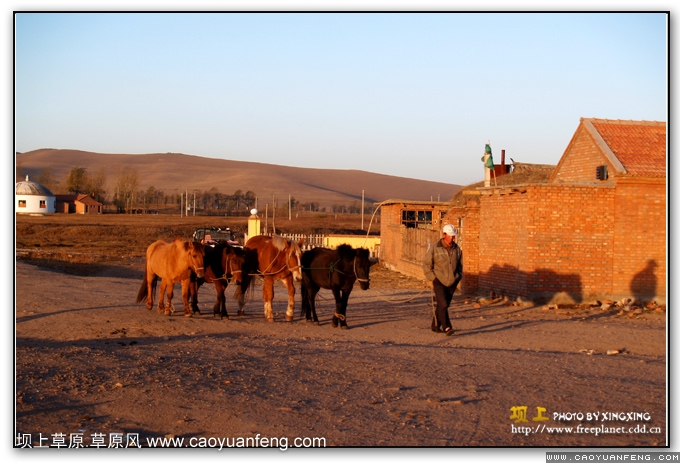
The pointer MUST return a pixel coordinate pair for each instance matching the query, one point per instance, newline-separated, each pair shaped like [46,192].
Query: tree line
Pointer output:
[127,197]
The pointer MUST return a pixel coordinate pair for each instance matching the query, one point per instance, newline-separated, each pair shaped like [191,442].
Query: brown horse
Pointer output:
[223,263]
[273,258]
[171,262]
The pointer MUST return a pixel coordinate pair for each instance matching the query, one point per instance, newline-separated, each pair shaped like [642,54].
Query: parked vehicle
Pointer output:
[214,235]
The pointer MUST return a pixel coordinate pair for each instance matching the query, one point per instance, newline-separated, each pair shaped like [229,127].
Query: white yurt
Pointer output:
[33,198]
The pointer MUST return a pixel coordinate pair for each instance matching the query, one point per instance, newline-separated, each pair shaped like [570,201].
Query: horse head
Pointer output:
[293,259]
[195,253]
[233,264]
[362,267]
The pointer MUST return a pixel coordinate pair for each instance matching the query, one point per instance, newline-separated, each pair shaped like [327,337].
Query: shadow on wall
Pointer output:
[541,285]
[643,286]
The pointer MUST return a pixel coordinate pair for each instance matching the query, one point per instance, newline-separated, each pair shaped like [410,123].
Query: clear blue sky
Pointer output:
[407,94]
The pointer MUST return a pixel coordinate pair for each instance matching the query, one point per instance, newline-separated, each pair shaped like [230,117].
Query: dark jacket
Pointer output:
[439,263]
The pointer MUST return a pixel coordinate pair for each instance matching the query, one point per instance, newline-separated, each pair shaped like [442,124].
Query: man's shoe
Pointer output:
[449,332]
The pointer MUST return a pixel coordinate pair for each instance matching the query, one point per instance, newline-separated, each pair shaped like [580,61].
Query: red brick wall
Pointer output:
[547,241]
[640,237]
[561,242]
[469,243]
[581,160]
[390,234]
[573,243]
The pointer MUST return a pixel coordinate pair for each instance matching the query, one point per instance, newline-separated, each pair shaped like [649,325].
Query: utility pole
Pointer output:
[194,203]
[362,209]
[289,207]
[274,212]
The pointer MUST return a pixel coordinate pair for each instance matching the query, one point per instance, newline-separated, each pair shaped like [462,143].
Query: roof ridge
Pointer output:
[621,121]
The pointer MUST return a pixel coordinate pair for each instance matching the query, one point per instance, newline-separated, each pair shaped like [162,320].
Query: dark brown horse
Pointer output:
[337,270]
[172,263]
[273,258]
[223,263]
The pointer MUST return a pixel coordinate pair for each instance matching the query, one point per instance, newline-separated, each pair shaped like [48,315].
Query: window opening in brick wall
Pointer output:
[412,218]
[43,204]
[22,203]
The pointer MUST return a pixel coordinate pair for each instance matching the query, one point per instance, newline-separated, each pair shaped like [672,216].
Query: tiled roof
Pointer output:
[85,199]
[639,145]
[81,198]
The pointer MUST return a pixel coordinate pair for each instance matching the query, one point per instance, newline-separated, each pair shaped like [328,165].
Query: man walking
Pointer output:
[443,266]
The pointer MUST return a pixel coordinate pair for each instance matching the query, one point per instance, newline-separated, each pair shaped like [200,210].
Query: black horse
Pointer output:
[337,270]
[223,263]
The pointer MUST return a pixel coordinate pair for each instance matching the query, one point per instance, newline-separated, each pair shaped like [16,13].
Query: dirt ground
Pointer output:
[92,364]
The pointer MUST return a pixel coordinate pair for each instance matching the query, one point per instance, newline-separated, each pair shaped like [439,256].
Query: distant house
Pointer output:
[78,204]
[593,227]
[33,198]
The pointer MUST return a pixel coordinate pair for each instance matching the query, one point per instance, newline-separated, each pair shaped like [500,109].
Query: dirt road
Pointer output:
[92,364]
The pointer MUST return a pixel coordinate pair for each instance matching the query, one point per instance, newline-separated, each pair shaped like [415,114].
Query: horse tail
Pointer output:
[304,307]
[248,270]
[144,290]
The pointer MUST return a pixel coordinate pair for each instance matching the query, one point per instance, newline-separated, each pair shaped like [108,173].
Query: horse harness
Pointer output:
[193,262]
[225,276]
[264,273]
[333,268]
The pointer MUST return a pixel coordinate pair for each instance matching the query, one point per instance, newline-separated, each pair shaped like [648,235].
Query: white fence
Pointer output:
[311,241]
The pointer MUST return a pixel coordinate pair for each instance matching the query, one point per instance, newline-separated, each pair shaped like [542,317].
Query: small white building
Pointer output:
[33,198]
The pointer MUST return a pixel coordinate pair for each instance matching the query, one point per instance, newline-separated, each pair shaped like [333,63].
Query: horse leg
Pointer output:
[290,311]
[185,297]
[241,301]
[193,290]
[343,309]
[309,291]
[338,315]
[221,303]
[161,295]
[268,296]
[150,289]
[312,300]
[169,308]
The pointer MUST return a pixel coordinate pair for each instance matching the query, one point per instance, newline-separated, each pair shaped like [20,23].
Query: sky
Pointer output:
[410,94]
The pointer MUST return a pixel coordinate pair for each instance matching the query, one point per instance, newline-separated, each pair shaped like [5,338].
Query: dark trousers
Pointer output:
[442,295]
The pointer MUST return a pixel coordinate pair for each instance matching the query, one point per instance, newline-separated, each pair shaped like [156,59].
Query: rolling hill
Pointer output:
[175,173]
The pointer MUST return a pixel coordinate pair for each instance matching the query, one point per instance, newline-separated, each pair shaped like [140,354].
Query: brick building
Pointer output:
[406,230]
[78,204]
[595,229]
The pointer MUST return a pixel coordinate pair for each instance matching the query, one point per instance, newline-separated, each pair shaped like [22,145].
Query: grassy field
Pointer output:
[94,238]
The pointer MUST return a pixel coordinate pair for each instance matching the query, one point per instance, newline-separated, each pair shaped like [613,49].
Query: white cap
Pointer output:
[449,230]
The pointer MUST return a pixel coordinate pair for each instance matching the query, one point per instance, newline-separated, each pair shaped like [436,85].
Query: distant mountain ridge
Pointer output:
[175,173]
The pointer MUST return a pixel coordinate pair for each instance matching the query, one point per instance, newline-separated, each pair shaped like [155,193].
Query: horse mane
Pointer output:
[345,252]
[295,248]
[279,242]
[363,254]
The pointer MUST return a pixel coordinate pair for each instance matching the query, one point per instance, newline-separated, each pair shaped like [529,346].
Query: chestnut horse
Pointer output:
[337,270]
[223,263]
[171,262]
[273,258]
